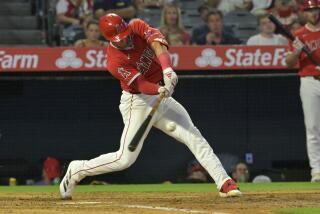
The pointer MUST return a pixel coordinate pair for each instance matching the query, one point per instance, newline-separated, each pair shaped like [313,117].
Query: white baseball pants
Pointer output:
[310,97]
[134,109]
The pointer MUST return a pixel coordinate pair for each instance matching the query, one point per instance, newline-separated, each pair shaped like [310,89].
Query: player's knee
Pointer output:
[125,163]
[313,130]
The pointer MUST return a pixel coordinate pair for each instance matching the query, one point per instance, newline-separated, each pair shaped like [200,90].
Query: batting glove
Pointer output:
[298,45]
[170,79]
[164,91]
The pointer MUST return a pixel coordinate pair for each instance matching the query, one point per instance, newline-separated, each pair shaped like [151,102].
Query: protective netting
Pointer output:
[78,118]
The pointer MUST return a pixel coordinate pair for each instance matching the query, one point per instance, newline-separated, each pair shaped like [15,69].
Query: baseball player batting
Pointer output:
[139,59]
[309,36]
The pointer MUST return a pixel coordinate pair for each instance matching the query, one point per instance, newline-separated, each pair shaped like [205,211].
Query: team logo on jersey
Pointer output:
[313,44]
[208,57]
[145,61]
[124,73]
[69,59]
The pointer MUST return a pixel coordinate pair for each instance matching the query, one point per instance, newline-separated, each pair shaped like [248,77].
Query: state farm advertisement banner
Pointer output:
[183,58]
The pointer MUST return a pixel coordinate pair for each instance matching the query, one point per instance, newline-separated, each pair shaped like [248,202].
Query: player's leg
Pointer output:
[133,110]
[310,97]
[173,112]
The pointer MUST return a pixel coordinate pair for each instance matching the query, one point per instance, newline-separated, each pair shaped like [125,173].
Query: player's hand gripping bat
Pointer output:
[288,34]
[137,137]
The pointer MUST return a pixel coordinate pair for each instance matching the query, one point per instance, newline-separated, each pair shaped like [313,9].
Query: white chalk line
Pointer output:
[164,208]
[170,209]
[80,202]
[142,207]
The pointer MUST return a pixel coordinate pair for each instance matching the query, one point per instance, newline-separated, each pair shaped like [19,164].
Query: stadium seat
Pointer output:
[18,26]
[151,16]
[189,4]
[242,23]
[191,18]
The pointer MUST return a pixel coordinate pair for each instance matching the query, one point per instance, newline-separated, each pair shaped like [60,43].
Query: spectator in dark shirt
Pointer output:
[213,33]
[123,8]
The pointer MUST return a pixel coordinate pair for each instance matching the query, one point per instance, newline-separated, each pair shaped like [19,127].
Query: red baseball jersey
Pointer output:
[127,64]
[312,40]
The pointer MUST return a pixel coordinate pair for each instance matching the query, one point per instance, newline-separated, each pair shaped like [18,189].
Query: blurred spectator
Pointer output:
[213,4]
[226,6]
[297,4]
[124,8]
[196,173]
[241,172]
[284,11]
[141,4]
[267,34]
[71,12]
[213,33]
[203,11]
[243,5]
[50,172]
[295,25]
[81,34]
[260,6]
[92,37]
[171,26]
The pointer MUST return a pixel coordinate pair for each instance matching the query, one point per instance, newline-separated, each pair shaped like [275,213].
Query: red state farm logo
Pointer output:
[208,57]
[69,59]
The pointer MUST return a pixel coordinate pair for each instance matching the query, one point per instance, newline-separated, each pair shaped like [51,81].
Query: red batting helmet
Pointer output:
[113,27]
[310,4]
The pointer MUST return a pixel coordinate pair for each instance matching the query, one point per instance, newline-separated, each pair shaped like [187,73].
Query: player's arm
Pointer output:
[159,45]
[133,78]
[292,57]
[169,76]
[149,88]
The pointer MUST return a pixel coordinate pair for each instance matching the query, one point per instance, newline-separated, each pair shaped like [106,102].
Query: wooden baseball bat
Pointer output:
[288,34]
[137,137]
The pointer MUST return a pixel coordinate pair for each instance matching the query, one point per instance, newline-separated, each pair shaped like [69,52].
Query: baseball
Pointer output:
[171,126]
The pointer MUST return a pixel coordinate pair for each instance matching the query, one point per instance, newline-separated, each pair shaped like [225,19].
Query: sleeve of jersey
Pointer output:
[124,73]
[148,33]
[145,86]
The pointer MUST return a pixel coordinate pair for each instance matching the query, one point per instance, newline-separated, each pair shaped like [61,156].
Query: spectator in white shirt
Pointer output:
[71,12]
[260,6]
[266,35]
[226,6]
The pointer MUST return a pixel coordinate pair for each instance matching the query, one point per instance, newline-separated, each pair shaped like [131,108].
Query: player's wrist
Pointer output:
[165,61]
[167,70]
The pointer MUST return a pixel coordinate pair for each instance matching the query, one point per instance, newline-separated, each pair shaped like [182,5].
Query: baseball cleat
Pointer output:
[69,181]
[229,189]
[315,177]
